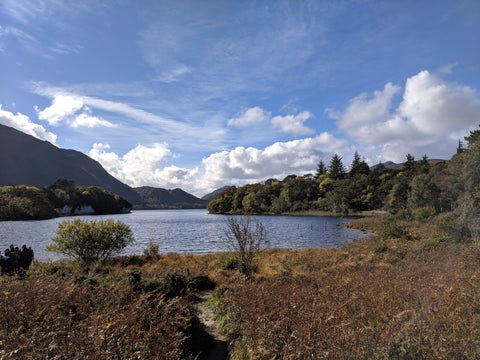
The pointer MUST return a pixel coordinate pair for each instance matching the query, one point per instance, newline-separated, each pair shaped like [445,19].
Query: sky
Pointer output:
[201,94]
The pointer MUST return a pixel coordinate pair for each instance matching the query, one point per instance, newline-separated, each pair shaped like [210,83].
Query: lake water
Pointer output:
[188,232]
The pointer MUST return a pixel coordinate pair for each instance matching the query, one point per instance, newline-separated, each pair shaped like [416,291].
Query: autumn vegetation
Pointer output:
[411,291]
[31,203]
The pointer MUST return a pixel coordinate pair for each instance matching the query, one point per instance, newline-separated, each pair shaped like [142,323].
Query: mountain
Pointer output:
[392,165]
[157,198]
[211,196]
[26,160]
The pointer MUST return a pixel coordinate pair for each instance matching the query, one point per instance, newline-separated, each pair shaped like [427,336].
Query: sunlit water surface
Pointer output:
[188,232]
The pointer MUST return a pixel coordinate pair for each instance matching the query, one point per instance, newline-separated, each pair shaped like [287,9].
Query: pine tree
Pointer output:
[359,166]
[472,138]
[460,147]
[336,170]
[321,170]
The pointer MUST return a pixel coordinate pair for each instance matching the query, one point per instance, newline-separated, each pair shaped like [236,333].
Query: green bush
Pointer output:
[89,241]
[394,229]
[172,284]
[134,276]
[424,213]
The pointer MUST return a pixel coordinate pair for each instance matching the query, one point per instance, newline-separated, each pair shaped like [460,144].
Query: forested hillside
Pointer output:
[61,198]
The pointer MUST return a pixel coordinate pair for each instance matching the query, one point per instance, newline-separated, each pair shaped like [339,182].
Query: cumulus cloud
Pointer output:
[137,167]
[142,166]
[293,123]
[252,116]
[23,123]
[71,110]
[242,165]
[62,107]
[431,116]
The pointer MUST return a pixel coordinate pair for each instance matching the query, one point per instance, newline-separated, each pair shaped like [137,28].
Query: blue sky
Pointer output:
[202,94]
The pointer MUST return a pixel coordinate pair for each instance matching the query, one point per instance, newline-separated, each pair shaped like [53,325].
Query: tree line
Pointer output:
[60,198]
[419,190]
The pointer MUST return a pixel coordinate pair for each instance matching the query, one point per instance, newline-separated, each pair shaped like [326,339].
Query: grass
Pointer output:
[388,297]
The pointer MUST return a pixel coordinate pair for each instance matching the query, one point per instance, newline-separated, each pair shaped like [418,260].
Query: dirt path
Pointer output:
[218,349]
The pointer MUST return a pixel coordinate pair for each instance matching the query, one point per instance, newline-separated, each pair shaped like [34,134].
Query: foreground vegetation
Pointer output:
[60,198]
[405,297]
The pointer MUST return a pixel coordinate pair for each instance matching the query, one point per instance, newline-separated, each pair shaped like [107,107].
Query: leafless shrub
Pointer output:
[245,238]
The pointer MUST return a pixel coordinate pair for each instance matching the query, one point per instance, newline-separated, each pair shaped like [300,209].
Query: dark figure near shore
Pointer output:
[25,258]
[6,262]
[15,259]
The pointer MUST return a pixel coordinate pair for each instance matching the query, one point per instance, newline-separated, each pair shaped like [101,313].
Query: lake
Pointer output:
[188,232]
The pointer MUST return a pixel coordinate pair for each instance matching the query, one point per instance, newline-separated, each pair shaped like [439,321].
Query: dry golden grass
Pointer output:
[382,298]
[358,303]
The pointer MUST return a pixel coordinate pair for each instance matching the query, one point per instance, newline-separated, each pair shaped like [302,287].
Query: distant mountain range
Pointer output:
[26,160]
[211,196]
[157,198]
[392,165]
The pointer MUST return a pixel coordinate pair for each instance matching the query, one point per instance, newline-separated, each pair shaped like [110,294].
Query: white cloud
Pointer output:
[435,106]
[22,122]
[85,120]
[289,123]
[242,165]
[62,107]
[137,167]
[431,117]
[142,166]
[252,116]
[173,75]
[293,123]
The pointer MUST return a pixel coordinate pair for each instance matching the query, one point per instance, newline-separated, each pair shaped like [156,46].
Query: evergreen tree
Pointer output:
[336,170]
[359,166]
[410,165]
[472,138]
[321,169]
[460,147]
[424,165]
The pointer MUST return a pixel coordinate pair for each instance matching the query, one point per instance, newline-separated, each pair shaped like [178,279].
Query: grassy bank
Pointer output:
[398,295]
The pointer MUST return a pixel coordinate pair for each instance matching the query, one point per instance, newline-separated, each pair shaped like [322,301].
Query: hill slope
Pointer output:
[26,160]
[157,198]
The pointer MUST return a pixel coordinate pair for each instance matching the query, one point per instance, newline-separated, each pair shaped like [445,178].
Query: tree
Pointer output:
[410,166]
[472,138]
[321,170]
[359,166]
[246,240]
[460,148]
[336,170]
[89,241]
[424,165]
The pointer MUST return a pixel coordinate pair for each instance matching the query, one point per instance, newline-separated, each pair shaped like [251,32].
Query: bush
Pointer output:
[152,249]
[394,230]
[89,241]
[245,241]
[424,213]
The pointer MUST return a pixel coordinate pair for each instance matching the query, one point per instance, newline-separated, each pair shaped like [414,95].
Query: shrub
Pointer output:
[424,213]
[245,240]
[152,249]
[394,230]
[88,241]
